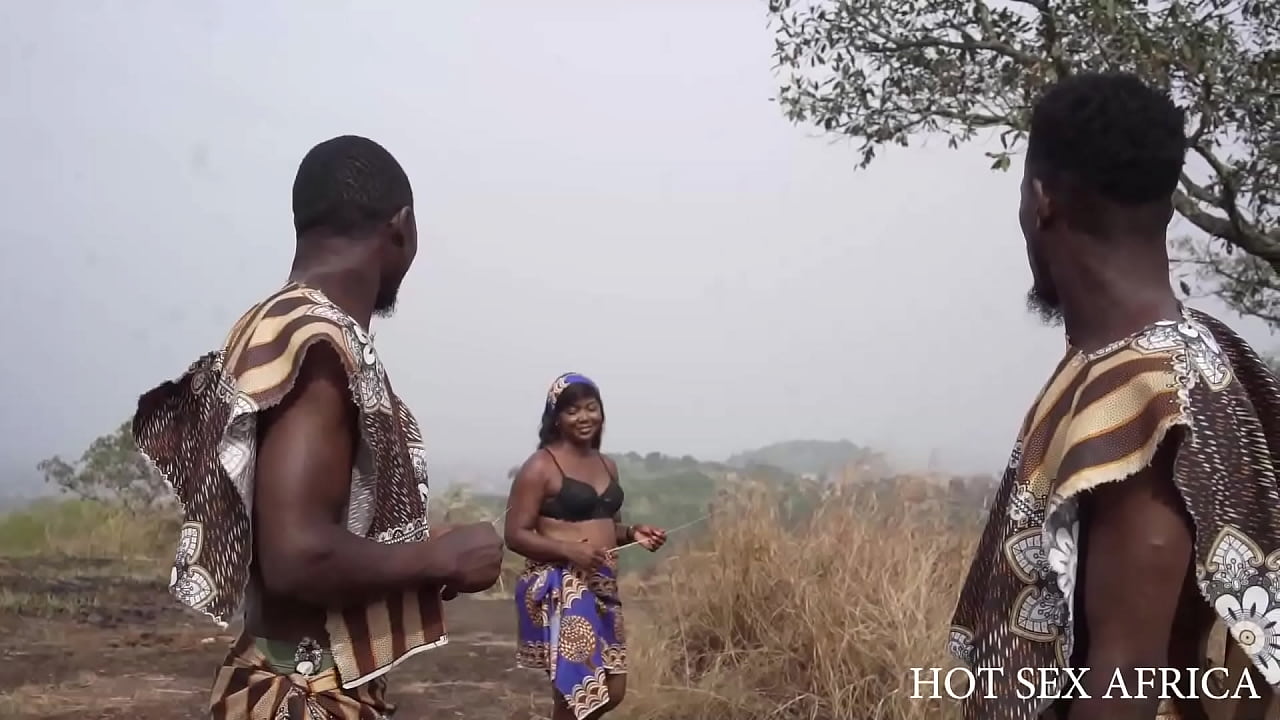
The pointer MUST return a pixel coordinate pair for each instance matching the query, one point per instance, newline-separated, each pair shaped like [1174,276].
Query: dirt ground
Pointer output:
[101,640]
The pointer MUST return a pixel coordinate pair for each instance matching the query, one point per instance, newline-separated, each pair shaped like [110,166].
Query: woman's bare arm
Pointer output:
[622,533]
[527,490]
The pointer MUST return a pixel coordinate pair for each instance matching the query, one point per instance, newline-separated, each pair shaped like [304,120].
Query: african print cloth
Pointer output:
[249,687]
[1100,419]
[1165,711]
[200,432]
[569,623]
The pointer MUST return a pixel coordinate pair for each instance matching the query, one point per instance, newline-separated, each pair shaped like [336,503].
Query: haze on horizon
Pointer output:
[603,187]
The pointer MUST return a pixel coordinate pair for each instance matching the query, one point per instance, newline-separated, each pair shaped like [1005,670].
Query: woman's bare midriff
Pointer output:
[601,533]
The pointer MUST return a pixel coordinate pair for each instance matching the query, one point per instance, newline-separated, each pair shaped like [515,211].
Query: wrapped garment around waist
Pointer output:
[271,680]
[570,625]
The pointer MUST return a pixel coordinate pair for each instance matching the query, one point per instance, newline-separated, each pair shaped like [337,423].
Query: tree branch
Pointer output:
[1049,36]
[1235,227]
[1198,192]
[960,66]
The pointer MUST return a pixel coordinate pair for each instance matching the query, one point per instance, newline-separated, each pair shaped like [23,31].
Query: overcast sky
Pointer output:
[601,186]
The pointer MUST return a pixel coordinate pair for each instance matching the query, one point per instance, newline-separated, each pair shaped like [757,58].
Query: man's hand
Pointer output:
[649,537]
[438,531]
[473,554]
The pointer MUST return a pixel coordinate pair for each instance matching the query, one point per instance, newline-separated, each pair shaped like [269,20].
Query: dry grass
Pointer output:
[819,621]
[82,551]
[763,617]
[89,694]
[87,529]
[43,604]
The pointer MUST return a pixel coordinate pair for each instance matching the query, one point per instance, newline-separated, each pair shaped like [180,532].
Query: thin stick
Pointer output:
[672,530]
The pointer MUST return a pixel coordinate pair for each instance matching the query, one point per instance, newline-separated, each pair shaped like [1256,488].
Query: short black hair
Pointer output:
[348,184]
[1111,134]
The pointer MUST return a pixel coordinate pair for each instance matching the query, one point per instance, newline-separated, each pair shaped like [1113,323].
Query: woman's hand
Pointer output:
[585,555]
[649,537]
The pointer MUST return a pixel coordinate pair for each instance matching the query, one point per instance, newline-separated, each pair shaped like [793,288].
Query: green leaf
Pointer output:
[883,73]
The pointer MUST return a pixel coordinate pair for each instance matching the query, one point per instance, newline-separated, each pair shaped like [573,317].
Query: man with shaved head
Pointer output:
[302,474]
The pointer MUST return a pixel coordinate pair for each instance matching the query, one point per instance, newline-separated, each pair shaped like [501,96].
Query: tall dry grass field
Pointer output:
[89,529]
[820,620]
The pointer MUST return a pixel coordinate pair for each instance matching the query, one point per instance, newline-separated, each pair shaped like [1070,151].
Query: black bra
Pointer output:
[578,501]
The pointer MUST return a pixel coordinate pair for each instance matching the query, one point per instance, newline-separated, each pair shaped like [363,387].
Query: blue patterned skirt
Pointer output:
[570,625]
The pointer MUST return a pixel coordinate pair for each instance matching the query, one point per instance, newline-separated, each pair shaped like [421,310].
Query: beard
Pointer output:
[1044,306]
[384,305]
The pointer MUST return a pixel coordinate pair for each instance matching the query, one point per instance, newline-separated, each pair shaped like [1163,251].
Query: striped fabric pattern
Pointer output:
[1099,419]
[199,432]
[246,687]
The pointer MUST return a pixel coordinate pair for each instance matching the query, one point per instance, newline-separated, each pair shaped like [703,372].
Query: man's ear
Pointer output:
[400,225]
[1044,208]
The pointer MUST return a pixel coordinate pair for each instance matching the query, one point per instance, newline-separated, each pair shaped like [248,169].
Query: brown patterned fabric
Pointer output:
[200,432]
[1166,711]
[1100,419]
[246,687]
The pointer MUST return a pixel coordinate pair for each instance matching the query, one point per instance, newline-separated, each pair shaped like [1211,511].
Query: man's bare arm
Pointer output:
[1138,554]
[304,462]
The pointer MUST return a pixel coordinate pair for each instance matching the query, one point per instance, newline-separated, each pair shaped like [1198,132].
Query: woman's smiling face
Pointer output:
[581,420]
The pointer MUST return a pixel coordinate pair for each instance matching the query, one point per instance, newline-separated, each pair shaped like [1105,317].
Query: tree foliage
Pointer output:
[110,470]
[883,72]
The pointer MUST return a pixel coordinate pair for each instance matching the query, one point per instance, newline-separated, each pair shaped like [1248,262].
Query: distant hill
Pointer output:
[814,457]
[20,485]
[633,465]
[661,490]
[20,480]
[10,503]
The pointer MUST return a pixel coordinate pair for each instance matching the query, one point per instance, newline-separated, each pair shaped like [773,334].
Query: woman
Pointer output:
[564,517]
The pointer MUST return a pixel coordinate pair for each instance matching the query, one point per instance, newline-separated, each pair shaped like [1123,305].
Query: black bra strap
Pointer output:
[554,460]
[606,467]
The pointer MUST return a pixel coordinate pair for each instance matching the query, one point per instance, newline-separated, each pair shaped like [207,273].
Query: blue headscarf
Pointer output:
[563,382]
